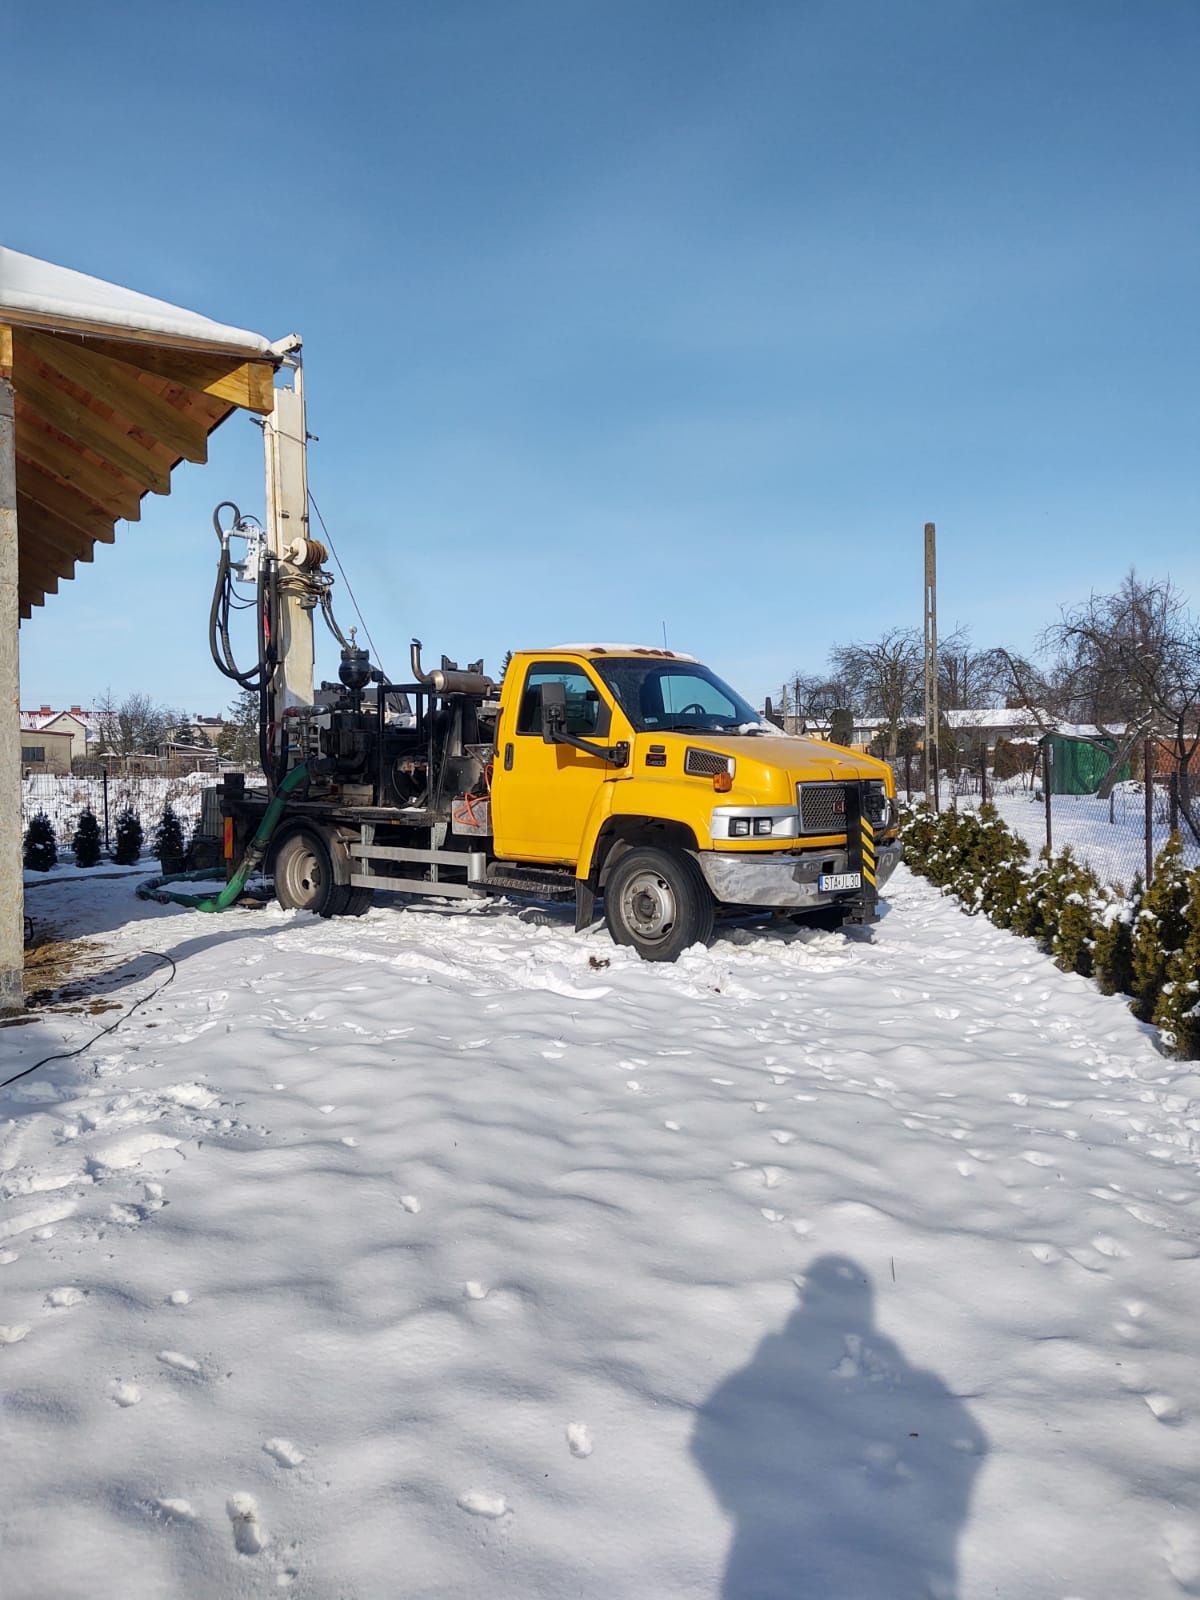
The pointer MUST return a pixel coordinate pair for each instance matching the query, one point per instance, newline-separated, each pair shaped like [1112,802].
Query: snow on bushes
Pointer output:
[1145,944]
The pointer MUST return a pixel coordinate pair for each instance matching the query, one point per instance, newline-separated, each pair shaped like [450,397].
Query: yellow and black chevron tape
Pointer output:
[868,851]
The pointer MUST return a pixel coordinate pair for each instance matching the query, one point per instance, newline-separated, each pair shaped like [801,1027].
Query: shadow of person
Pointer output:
[847,1472]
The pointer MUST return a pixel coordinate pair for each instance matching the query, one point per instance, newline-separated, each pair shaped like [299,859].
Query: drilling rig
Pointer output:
[620,777]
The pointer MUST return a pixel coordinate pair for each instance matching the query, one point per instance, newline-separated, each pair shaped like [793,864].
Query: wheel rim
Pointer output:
[303,879]
[648,907]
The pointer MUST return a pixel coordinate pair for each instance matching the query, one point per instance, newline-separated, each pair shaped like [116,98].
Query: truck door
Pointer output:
[542,793]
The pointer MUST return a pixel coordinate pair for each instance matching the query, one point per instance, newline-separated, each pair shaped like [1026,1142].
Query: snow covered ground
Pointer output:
[441,1254]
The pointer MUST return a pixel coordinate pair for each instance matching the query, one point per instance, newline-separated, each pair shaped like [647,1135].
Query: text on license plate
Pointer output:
[831,882]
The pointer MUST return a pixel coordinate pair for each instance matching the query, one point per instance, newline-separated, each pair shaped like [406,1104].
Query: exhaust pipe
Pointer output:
[448,678]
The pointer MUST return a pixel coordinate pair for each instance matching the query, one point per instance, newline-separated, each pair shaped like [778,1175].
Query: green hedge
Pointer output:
[1144,944]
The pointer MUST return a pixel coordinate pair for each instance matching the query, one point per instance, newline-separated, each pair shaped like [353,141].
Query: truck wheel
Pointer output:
[304,877]
[657,901]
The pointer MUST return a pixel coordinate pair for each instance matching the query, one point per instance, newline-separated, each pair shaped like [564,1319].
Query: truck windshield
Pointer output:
[661,695]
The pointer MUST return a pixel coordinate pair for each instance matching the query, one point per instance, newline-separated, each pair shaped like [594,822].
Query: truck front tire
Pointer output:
[305,879]
[657,902]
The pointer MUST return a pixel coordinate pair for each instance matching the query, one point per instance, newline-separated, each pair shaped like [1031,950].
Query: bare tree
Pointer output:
[136,725]
[968,678]
[1134,657]
[884,679]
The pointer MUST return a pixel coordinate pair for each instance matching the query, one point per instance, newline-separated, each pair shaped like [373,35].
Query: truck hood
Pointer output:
[800,758]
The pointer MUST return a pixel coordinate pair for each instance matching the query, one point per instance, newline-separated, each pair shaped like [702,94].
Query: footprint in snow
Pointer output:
[249,1535]
[180,1509]
[63,1299]
[579,1439]
[178,1362]
[475,1290]
[410,1203]
[1164,1408]
[179,1297]
[782,1136]
[13,1332]
[124,1394]
[479,1504]
[284,1452]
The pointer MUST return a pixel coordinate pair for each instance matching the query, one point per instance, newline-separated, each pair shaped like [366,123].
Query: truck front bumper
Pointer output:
[783,881]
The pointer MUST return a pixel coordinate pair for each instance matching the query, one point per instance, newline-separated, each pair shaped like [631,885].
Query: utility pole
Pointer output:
[931,667]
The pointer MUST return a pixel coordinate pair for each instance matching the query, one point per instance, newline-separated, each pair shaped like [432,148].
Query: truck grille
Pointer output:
[705,763]
[823,806]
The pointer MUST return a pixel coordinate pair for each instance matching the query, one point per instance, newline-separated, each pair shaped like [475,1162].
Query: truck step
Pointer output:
[542,885]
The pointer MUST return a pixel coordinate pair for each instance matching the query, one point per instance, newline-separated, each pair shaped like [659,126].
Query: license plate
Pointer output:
[832,882]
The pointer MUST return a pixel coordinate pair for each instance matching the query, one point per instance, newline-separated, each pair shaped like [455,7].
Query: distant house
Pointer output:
[45,749]
[80,724]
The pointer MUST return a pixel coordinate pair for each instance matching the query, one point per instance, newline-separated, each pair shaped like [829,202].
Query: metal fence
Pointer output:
[108,793]
[1118,836]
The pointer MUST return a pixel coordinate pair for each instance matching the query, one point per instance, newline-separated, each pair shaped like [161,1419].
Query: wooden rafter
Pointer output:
[54,531]
[117,494]
[72,417]
[65,502]
[119,389]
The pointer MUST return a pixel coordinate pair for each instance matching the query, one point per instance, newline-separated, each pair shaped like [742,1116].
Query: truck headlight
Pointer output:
[755,822]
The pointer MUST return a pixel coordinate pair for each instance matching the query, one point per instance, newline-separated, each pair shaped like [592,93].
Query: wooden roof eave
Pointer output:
[102,421]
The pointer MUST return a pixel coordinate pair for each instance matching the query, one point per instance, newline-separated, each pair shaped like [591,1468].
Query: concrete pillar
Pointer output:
[12,898]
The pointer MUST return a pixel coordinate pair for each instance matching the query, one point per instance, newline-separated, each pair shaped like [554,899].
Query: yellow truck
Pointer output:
[624,778]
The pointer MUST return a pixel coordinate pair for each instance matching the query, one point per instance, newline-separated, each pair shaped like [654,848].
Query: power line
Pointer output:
[346,580]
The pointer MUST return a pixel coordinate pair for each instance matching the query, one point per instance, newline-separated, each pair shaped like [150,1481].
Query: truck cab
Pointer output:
[661,788]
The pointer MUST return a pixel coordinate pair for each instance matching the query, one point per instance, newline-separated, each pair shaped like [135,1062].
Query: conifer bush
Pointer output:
[129,837]
[1160,928]
[1177,1010]
[86,842]
[1112,955]
[168,837]
[40,848]
[1072,939]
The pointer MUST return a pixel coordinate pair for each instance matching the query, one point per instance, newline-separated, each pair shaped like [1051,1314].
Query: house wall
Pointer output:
[55,749]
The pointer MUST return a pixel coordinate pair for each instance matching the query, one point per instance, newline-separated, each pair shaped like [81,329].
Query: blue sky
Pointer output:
[630,313]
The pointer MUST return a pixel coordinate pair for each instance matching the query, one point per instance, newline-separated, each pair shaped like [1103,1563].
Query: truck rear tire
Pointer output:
[657,902]
[305,879]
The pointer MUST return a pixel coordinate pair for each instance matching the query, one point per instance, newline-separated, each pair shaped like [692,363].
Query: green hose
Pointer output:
[152,888]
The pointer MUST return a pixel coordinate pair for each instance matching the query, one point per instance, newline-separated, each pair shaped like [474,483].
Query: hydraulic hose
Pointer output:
[153,888]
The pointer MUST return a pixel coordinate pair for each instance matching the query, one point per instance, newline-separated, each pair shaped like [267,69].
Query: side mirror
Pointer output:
[554,711]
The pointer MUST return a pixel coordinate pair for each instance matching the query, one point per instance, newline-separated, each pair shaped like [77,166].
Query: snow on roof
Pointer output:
[40,293]
[1020,717]
[30,726]
[994,717]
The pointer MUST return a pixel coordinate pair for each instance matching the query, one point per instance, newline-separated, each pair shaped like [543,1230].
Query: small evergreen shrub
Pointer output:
[1160,927]
[1177,1010]
[1112,955]
[129,837]
[40,849]
[168,836]
[1072,939]
[86,842]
